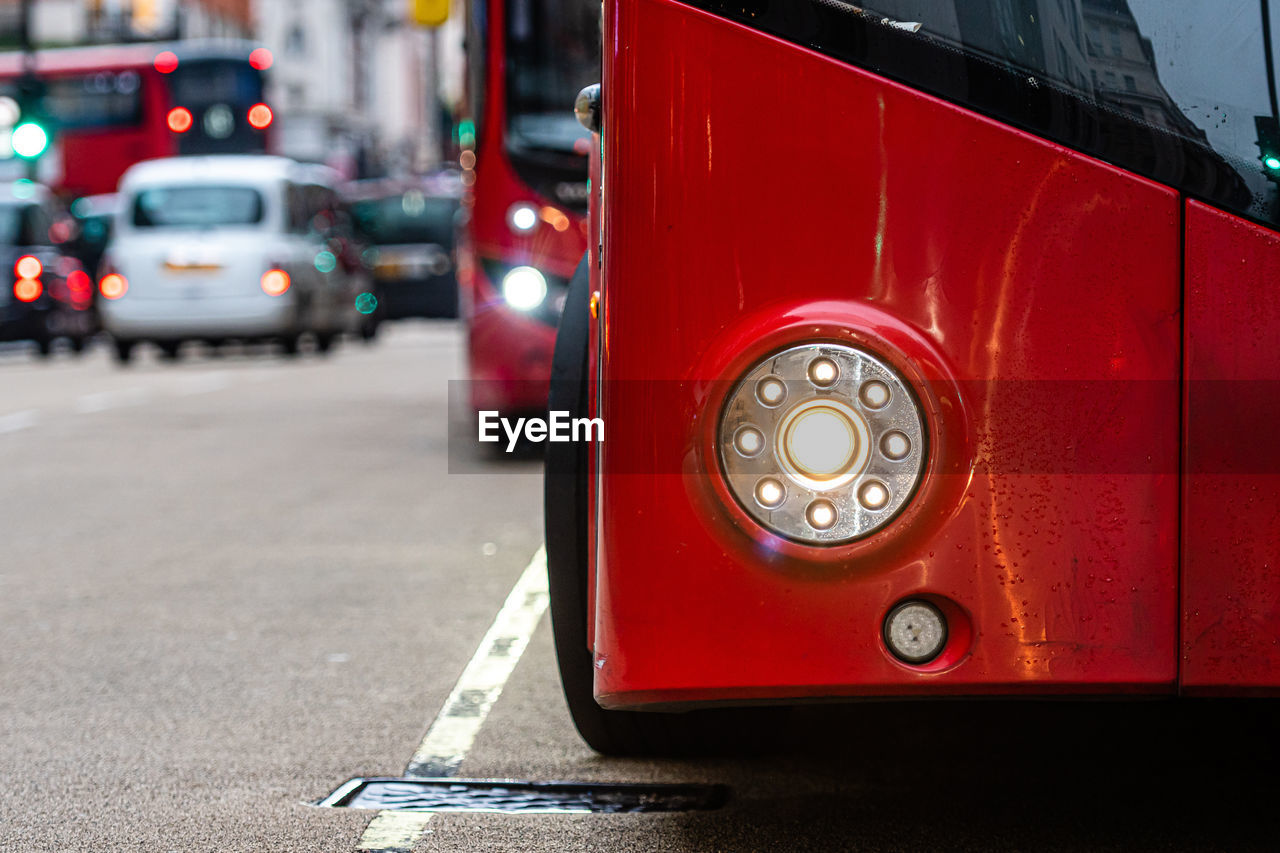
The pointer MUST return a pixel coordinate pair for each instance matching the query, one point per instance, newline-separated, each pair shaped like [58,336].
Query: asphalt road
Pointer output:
[228,585]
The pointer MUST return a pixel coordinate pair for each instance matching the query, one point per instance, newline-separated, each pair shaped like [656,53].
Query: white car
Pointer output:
[228,247]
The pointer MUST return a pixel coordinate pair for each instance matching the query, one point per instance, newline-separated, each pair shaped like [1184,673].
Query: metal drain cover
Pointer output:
[467,795]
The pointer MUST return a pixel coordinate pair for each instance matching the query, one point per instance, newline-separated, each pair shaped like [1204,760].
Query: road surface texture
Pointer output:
[227,585]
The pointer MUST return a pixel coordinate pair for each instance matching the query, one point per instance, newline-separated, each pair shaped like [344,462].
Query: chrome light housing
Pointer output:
[822,443]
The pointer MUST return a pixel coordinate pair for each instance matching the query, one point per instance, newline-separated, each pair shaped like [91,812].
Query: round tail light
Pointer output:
[822,443]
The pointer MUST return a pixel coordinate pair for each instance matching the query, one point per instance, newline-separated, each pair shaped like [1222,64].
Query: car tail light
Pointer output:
[822,443]
[27,289]
[275,282]
[28,266]
[80,288]
[113,286]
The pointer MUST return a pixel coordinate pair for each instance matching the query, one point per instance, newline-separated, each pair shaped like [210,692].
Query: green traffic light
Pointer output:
[29,140]
[467,133]
[1271,162]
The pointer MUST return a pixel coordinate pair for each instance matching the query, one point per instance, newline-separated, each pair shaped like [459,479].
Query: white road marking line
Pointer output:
[455,728]
[19,420]
[101,401]
[481,683]
[394,831]
[203,383]
[190,385]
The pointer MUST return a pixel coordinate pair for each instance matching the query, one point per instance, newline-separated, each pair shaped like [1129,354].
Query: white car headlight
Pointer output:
[822,443]
[524,288]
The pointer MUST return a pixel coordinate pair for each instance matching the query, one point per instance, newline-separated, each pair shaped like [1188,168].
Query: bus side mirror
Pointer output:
[587,108]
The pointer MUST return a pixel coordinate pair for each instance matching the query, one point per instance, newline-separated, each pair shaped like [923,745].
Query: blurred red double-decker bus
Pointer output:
[525,163]
[935,347]
[110,106]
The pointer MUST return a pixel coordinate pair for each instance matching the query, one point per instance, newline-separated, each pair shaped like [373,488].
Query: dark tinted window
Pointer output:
[95,230]
[210,81]
[24,225]
[36,223]
[12,218]
[197,207]
[1178,90]
[310,208]
[553,50]
[409,218]
[104,99]
[219,94]
[477,56]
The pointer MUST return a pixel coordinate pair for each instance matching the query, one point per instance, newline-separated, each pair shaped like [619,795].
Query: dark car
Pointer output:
[94,217]
[45,293]
[409,225]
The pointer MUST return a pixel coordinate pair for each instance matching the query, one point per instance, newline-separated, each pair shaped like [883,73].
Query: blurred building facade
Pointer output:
[67,22]
[355,83]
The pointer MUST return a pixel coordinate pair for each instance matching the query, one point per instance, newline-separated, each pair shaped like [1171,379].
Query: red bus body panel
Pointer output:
[1231,546]
[1030,294]
[93,159]
[509,353]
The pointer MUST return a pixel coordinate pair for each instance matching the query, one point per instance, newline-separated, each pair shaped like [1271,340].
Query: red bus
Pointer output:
[526,170]
[111,106]
[935,348]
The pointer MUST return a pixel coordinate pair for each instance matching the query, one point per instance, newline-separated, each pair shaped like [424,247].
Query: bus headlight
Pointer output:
[522,217]
[822,443]
[524,288]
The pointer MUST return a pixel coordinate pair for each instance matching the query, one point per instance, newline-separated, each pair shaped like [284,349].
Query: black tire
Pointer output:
[123,351]
[170,350]
[324,342]
[567,537]
[44,347]
[79,345]
[289,344]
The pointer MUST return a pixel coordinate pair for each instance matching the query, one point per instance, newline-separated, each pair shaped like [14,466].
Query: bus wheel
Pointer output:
[567,512]
[123,351]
